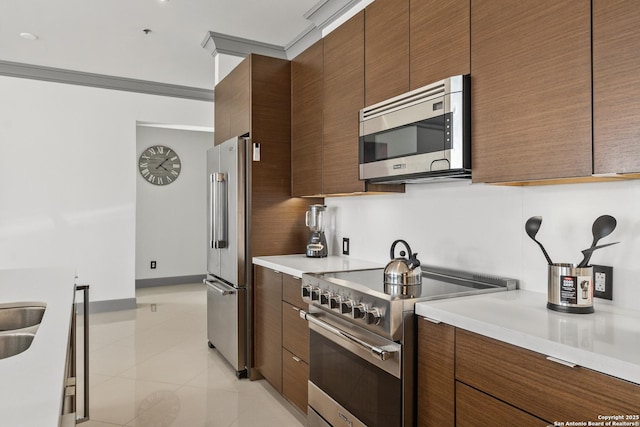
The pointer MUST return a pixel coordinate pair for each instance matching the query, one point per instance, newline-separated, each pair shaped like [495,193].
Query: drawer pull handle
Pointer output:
[428,319]
[295,308]
[296,277]
[562,362]
[297,359]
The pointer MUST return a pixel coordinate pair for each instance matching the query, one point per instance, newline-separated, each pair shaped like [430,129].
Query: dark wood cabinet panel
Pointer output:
[616,86]
[295,331]
[296,377]
[476,409]
[541,387]
[436,378]
[291,291]
[440,40]
[267,324]
[306,121]
[343,99]
[530,90]
[386,45]
[233,103]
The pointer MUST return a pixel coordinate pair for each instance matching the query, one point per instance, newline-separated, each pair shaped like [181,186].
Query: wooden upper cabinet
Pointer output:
[306,121]
[343,99]
[616,86]
[530,90]
[233,103]
[439,40]
[386,44]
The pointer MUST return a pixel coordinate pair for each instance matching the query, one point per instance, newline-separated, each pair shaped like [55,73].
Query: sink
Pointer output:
[15,343]
[21,315]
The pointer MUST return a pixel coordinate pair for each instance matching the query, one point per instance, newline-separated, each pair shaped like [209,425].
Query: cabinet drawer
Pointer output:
[476,409]
[295,331]
[291,290]
[295,376]
[544,388]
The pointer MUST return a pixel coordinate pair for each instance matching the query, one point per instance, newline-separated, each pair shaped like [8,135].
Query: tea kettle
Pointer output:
[403,276]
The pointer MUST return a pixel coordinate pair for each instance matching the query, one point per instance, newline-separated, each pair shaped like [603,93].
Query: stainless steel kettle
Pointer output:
[403,276]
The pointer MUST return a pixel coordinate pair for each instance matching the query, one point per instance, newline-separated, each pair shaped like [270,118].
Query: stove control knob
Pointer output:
[324,298]
[373,316]
[345,306]
[358,311]
[334,302]
[305,292]
[315,294]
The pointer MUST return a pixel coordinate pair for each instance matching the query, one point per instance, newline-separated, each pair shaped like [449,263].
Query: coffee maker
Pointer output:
[317,243]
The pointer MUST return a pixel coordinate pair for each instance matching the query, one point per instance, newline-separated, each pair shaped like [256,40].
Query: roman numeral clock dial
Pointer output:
[159,165]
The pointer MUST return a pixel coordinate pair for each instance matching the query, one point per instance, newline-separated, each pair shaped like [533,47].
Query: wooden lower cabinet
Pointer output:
[281,336]
[295,376]
[477,409]
[499,384]
[267,324]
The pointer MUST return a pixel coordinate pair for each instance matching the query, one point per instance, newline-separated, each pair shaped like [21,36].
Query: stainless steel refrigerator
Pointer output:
[227,252]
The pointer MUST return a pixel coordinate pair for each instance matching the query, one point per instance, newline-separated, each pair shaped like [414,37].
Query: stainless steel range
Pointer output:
[362,342]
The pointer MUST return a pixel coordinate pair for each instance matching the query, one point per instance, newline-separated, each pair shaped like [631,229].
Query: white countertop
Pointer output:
[295,265]
[31,382]
[607,340]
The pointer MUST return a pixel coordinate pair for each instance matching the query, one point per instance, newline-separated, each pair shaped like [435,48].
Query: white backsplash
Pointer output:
[480,228]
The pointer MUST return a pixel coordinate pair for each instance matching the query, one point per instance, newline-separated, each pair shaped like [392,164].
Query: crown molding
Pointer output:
[217,43]
[300,43]
[327,11]
[58,75]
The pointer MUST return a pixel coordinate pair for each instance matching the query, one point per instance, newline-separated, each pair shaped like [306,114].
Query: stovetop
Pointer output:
[358,296]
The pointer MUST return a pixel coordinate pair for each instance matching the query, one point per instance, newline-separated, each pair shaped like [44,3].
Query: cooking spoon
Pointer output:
[602,227]
[587,252]
[531,227]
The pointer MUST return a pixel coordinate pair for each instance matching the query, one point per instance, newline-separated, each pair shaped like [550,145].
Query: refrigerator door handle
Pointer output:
[218,211]
[222,288]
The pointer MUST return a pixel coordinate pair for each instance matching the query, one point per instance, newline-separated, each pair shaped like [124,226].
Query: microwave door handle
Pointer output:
[376,351]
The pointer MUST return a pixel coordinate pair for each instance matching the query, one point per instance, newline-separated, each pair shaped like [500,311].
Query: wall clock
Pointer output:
[159,165]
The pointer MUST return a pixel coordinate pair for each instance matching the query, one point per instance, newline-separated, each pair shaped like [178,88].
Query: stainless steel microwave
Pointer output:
[420,136]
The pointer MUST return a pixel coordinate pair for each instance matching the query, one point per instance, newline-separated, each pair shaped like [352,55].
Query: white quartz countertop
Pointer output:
[607,340]
[295,265]
[31,383]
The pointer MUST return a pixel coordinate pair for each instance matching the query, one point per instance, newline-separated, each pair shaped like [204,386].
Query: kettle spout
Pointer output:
[414,261]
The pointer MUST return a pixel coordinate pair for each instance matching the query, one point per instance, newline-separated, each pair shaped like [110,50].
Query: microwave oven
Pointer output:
[420,136]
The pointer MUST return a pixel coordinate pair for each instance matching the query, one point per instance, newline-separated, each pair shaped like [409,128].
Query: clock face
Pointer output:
[159,165]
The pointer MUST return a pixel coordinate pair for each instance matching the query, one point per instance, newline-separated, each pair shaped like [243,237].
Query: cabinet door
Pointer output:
[386,44]
[616,86]
[343,99]
[295,380]
[233,102]
[440,40]
[476,409]
[541,387]
[267,324]
[436,379]
[530,90]
[306,121]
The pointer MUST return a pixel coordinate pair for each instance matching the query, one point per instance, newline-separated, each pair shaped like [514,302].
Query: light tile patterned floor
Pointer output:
[152,367]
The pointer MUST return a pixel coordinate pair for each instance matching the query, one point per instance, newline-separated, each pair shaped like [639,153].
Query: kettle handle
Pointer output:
[393,248]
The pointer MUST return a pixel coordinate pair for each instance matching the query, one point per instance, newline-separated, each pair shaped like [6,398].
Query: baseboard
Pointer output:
[108,305]
[166,281]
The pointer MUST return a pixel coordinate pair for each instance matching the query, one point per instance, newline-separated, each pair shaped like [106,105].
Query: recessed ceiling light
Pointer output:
[29,36]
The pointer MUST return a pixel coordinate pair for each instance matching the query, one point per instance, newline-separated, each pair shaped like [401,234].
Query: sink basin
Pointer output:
[19,316]
[15,343]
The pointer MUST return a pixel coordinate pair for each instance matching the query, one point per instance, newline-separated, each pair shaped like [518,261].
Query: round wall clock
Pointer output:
[159,165]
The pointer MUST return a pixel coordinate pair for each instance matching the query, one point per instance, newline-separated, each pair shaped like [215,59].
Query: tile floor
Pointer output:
[152,367]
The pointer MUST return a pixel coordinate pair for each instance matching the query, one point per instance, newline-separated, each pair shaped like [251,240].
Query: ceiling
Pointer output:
[106,36]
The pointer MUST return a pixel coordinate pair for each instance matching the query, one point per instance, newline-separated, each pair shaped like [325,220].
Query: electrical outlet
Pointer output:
[603,282]
[153,265]
[345,246]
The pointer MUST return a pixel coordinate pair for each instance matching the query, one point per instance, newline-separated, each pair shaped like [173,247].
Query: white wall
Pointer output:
[480,228]
[67,177]
[171,219]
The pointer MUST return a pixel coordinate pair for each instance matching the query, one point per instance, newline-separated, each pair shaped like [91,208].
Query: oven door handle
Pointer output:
[376,351]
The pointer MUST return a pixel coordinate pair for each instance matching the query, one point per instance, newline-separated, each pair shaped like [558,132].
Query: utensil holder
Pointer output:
[570,289]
